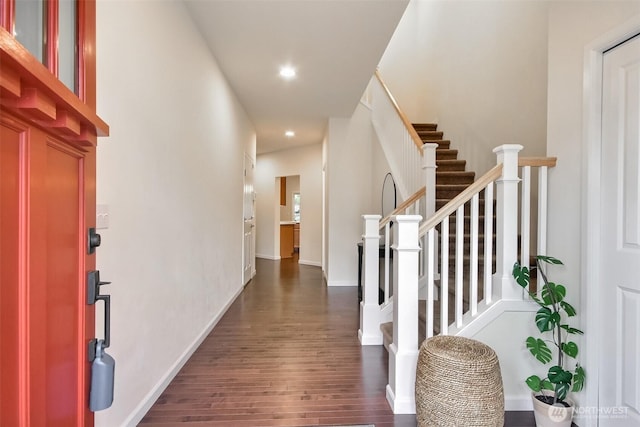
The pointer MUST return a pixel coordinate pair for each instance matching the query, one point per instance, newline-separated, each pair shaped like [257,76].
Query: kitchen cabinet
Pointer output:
[283,191]
[286,240]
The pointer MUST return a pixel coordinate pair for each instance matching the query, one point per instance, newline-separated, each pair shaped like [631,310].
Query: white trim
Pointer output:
[309,262]
[590,191]
[341,283]
[518,403]
[472,325]
[270,257]
[147,402]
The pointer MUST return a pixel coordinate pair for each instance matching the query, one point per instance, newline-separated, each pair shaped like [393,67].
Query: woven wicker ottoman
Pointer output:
[458,384]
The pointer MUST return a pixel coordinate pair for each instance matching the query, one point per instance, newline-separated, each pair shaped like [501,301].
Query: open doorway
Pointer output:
[290,209]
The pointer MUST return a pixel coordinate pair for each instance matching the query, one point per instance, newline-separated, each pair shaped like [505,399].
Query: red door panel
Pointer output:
[45,324]
[55,307]
[9,268]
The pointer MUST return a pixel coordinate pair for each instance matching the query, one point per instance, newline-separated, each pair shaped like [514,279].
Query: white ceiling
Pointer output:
[335,46]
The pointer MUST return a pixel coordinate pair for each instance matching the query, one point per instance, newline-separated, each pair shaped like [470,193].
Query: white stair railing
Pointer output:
[496,288]
[373,314]
[400,142]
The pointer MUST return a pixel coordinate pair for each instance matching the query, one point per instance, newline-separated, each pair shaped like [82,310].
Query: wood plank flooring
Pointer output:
[285,354]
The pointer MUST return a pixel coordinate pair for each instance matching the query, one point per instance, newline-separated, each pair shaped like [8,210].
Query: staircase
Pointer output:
[451,179]
[447,277]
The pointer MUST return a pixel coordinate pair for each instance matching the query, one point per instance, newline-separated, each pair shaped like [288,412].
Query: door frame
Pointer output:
[591,188]
[252,243]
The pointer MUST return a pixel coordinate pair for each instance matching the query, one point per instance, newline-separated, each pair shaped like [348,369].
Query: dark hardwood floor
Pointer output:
[285,354]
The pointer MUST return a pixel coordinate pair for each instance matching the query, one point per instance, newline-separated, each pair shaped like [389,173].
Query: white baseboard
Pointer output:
[341,283]
[271,257]
[307,262]
[141,410]
[518,403]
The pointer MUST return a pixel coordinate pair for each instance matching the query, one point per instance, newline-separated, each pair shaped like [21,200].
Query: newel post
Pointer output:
[403,352]
[369,332]
[507,223]
[429,167]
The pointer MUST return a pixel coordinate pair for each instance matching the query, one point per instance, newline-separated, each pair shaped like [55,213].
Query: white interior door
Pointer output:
[249,221]
[619,382]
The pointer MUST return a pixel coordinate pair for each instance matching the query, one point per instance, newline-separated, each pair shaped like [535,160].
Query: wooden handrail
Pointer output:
[478,186]
[414,135]
[461,199]
[538,161]
[404,205]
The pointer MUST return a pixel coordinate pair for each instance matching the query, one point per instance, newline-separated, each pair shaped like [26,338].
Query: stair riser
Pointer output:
[467,207]
[447,193]
[428,135]
[467,226]
[451,166]
[467,242]
[442,145]
[446,155]
[455,178]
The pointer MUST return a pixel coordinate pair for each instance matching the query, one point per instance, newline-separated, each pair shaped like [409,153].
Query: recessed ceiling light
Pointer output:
[287,72]
[289,134]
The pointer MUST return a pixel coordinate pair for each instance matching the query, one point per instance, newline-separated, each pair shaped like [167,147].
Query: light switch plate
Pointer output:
[102,217]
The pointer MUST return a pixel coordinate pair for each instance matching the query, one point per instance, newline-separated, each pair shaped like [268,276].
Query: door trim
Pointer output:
[590,191]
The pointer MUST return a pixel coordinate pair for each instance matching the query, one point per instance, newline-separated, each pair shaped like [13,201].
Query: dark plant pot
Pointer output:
[552,416]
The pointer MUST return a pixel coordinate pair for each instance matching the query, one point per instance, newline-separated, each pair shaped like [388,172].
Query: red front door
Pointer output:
[45,321]
[48,139]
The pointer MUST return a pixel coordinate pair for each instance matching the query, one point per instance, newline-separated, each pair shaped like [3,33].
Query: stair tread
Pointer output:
[430,135]
[456,173]
[451,186]
[425,126]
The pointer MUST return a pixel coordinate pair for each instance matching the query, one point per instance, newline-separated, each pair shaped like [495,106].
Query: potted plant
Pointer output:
[551,405]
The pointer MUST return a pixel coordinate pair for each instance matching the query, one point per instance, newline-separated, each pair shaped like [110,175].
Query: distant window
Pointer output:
[296,207]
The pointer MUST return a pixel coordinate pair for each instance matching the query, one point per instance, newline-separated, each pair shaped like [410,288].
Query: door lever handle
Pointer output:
[93,286]
[107,318]
[93,296]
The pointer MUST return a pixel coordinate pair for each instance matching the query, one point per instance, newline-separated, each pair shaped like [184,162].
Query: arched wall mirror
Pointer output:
[389,195]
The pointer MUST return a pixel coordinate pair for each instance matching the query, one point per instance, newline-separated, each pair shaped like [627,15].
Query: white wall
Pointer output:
[507,336]
[477,69]
[572,26]
[379,169]
[306,162]
[349,164]
[172,175]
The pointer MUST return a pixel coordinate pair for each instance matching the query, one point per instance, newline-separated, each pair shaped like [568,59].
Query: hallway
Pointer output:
[285,354]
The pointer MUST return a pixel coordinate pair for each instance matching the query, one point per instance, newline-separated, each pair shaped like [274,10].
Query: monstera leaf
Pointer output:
[547,319]
[521,274]
[539,349]
[552,293]
[578,378]
[570,348]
